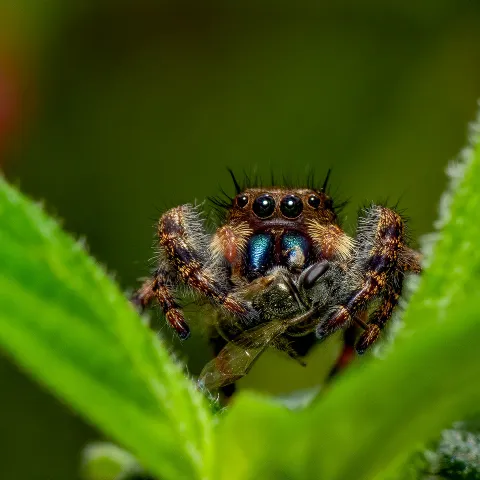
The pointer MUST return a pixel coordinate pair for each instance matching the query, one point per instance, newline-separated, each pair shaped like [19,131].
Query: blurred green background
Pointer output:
[111,112]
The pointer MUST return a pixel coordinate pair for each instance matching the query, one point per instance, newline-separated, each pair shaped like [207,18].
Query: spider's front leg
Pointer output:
[381,259]
[159,288]
[186,258]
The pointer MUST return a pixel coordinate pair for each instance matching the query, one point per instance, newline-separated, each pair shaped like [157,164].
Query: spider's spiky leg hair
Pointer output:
[380,263]
[410,260]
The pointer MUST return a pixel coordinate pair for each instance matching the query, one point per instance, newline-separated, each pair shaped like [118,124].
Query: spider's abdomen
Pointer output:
[265,250]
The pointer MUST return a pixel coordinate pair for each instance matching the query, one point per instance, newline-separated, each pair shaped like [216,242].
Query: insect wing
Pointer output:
[237,357]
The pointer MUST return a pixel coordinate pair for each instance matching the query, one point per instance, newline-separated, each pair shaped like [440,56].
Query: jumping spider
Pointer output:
[280,272]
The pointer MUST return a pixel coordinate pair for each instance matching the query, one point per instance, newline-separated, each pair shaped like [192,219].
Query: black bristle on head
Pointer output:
[248,183]
[325,182]
[228,197]
[311,179]
[220,202]
[338,207]
[287,181]
[238,189]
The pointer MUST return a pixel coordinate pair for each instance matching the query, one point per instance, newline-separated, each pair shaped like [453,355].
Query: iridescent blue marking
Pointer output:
[295,249]
[260,251]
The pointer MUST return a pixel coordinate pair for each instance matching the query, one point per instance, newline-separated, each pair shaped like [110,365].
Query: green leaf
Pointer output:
[67,324]
[105,461]
[382,409]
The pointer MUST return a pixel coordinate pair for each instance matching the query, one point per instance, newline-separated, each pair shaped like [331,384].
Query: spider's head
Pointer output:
[285,226]
[264,208]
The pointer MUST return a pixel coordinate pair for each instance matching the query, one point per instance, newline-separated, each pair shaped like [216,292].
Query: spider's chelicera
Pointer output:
[281,272]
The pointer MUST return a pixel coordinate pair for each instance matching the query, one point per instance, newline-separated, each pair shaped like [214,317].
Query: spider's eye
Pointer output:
[242,200]
[263,206]
[313,201]
[291,206]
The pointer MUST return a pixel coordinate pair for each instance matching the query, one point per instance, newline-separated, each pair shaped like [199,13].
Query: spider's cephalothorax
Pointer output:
[288,240]
[278,227]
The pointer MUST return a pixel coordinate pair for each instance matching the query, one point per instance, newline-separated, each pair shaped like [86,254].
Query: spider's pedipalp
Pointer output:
[230,241]
[331,240]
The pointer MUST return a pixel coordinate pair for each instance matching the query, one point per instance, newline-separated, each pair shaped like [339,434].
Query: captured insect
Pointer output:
[280,272]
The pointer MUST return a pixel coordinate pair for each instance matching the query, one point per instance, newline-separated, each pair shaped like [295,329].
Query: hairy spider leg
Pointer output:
[181,250]
[157,288]
[380,317]
[410,260]
[184,245]
[381,237]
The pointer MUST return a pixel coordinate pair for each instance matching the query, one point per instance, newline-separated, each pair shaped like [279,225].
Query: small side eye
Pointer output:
[291,206]
[314,201]
[242,200]
[264,206]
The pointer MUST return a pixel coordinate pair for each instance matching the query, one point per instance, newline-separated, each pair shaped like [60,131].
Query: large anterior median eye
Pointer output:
[291,206]
[264,206]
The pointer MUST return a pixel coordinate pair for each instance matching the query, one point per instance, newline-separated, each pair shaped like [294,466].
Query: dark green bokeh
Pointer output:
[140,106]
